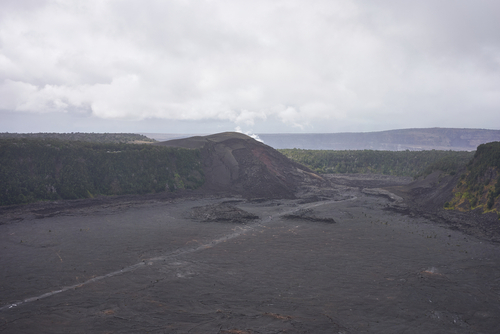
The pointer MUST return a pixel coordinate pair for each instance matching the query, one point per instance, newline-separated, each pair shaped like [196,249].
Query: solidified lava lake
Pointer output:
[151,268]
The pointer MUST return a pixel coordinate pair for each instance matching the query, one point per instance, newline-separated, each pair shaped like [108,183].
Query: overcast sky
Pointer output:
[264,66]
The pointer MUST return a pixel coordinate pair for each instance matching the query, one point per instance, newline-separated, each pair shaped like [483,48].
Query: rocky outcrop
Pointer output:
[222,212]
[479,187]
[427,193]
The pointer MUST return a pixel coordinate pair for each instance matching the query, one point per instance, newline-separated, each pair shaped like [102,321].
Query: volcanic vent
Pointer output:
[238,164]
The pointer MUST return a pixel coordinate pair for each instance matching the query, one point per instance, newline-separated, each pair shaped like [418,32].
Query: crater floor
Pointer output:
[149,267]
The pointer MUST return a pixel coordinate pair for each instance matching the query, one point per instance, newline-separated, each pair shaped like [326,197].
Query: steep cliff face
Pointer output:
[479,186]
[236,163]
[33,170]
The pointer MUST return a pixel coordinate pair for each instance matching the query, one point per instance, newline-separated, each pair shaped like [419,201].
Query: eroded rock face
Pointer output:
[236,163]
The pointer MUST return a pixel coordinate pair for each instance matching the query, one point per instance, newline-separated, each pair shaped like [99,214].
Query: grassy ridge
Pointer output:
[32,170]
[399,163]
[479,187]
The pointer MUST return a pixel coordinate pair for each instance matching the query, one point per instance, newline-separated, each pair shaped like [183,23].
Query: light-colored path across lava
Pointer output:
[240,230]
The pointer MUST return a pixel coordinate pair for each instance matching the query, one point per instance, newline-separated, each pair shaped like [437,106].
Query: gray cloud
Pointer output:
[265,66]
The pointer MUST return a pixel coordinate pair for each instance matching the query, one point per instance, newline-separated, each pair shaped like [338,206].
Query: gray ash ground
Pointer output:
[309,215]
[138,266]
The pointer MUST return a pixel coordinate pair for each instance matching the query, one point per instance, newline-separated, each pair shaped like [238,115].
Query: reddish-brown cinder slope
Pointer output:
[239,164]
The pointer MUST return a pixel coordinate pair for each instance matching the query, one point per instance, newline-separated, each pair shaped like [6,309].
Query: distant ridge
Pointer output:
[392,140]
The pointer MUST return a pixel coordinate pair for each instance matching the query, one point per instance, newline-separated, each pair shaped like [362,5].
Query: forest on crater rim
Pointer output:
[33,170]
[479,185]
[38,167]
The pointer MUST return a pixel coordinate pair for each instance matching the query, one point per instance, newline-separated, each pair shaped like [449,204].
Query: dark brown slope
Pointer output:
[238,164]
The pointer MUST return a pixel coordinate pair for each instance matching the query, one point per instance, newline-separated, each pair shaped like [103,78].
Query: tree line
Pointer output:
[80,136]
[399,163]
[32,170]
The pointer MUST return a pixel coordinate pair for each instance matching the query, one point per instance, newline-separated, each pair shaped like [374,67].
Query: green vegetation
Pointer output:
[450,164]
[32,170]
[399,163]
[88,137]
[479,187]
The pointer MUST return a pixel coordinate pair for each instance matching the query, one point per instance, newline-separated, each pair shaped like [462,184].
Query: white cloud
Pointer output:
[290,115]
[248,117]
[13,94]
[299,65]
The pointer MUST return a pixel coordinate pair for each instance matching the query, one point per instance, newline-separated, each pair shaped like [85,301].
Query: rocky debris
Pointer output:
[235,163]
[397,202]
[310,193]
[484,226]
[308,214]
[428,193]
[426,197]
[222,212]
[382,192]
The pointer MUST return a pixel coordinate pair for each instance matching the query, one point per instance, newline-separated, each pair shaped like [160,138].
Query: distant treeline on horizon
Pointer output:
[422,139]
[82,136]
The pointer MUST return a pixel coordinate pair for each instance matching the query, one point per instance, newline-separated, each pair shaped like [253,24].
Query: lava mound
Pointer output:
[238,164]
[224,212]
